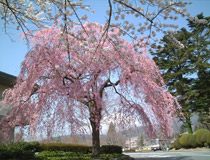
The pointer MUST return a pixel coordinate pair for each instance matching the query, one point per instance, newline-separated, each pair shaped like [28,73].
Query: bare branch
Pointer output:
[19,21]
[124,4]
[107,26]
[72,7]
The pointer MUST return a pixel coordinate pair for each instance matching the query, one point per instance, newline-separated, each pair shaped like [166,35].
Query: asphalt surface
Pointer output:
[172,155]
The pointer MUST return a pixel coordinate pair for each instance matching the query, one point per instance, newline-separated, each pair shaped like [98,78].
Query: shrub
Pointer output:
[176,144]
[22,150]
[204,137]
[66,147]
[192,140]
[184,140]
[109,149]
[3,150]
[208,139]
[30,146]
[201,136]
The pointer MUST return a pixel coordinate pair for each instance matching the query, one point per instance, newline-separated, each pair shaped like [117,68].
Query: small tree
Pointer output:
[65,79]
[112,137]
[141,140]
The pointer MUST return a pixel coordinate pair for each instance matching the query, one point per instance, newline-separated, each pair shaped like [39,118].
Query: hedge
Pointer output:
[60,155]
[21,150]
[109,149]
[106,149]
[66,147]
[53,155]
[54,151]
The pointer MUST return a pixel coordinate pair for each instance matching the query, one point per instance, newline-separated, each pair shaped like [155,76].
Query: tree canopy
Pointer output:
[75,65]
[62,84]
[201,60]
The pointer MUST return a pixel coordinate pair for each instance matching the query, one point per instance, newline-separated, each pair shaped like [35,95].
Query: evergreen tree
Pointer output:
[186,71]
[112,138]
[176,70]
[201,62]
[141,140]
[204,118]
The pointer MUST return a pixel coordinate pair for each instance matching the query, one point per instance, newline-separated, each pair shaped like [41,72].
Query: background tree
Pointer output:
[61,85]
[204,118]
[112,137]
[176,70]
[141,140]
[181,66]
[201,62]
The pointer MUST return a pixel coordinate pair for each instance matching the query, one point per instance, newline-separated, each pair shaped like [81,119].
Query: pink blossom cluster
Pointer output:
[65,79]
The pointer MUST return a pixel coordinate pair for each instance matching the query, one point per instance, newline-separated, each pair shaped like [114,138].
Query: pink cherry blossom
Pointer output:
[64,80]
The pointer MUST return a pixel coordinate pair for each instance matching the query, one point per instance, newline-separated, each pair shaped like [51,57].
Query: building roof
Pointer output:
[7,79]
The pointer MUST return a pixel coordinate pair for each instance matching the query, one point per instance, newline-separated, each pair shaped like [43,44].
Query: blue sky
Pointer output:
[12,52]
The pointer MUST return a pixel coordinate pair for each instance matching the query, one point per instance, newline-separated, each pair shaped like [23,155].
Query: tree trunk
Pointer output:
[189,125]
[95,139]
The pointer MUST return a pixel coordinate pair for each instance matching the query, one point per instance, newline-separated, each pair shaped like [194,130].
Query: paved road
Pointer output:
[172,155]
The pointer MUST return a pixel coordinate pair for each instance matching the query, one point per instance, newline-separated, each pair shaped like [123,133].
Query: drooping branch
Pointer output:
[148,125]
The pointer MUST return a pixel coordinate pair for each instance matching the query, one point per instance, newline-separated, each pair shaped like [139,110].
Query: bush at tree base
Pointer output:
[192,141]
[184,140]
[201,136]
[208,139]
[204,138]
[188,141]
[176,144]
